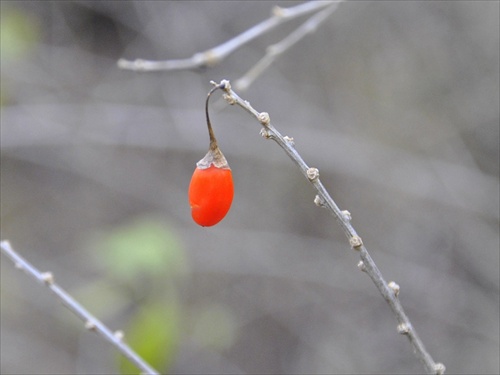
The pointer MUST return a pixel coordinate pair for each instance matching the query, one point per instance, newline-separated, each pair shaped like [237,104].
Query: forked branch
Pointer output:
[213,56]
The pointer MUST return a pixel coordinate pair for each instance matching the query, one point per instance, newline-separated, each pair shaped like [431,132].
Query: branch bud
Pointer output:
[356,242]
[403,329]
[119,335]
[347,215]
[312,174]
[264,118]
[439,368]
[289,140]
[361,266]
[47,278]
[319,201]
[395,287]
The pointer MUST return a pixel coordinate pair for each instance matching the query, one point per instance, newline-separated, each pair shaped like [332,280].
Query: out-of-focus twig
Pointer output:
[389,291]
[275,50]
[217,54]
[91,323]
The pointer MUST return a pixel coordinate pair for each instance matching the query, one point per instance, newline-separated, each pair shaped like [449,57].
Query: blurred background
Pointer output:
[396,103]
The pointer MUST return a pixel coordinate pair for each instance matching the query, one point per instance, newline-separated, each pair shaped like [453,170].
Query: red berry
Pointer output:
[210,194]
[211,189]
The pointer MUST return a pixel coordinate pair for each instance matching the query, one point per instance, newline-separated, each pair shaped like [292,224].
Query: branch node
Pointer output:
[119,335]
[361,266]
[229,98]
[319,201]
[207,58]
[312,174]
[225,85]
[90,325]
[347,215]
[47,278]
[403,329]
[395,287]
[289,140]
[264,118]
[439,368]
[277,11]
[265,133]
[356,242]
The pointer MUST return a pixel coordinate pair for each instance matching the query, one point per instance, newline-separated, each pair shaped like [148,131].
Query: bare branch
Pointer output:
[275,50]
[217,54]
[389,291]
[91,323]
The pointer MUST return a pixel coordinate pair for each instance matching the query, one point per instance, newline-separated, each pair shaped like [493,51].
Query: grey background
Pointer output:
[396,103]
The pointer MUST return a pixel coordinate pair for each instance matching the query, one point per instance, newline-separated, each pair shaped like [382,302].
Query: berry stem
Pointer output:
[214,155]
[213,141]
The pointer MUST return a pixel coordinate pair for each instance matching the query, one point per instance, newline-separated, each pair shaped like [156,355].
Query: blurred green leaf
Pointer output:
[146,247]
[154,334]
[18,33]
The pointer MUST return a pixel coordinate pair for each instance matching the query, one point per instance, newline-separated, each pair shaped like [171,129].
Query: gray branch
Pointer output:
[389,291]
[91,323]
[215,55]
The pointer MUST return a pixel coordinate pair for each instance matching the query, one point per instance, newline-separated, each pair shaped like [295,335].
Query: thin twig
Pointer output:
[217,54]
[390,290]
[91,323]
[275,50]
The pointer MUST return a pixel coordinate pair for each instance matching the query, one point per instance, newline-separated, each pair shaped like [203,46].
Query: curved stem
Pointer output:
[213,141]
